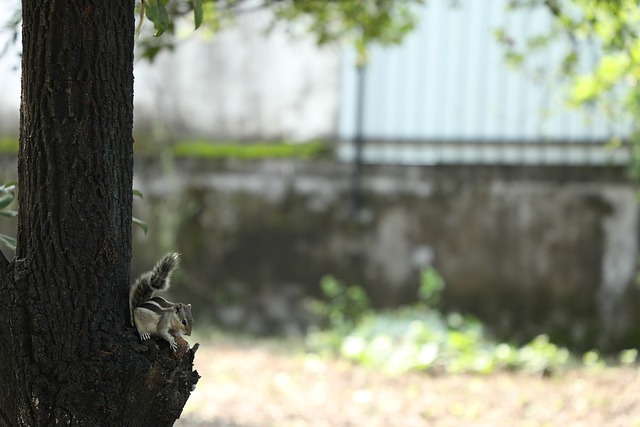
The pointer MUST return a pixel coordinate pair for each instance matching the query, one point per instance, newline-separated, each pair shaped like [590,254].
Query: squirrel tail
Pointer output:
[152,281]
[159,276]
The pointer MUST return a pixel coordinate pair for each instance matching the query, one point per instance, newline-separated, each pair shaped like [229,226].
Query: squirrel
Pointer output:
[154,316]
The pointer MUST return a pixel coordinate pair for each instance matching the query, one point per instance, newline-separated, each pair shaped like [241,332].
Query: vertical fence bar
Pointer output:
[358,141]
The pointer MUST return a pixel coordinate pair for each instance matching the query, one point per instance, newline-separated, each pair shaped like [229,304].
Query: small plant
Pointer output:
[628,357]
[338,313]
[344,306]
[420,337]
[431,287]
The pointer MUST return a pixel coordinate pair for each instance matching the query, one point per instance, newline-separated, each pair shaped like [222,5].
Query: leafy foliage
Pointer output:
[359,21]
[345,305]
[362,22]
[602,56]
[137,221]
[431,287]
[420,337]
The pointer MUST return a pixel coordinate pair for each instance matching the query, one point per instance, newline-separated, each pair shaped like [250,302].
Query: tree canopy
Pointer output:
[359,21]
[601,61]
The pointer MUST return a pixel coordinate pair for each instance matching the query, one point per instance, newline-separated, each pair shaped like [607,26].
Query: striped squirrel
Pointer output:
[154,316]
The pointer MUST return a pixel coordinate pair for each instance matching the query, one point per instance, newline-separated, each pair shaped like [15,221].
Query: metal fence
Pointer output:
[447,95]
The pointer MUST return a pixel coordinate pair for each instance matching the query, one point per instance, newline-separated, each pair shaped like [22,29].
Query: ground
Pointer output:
[248,383]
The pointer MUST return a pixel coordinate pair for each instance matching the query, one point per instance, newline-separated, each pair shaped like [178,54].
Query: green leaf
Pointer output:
[9,186]
[8,213]
[585,88]
[151,10]
[5,200]
[8,241]
[137,193]
[140,223]
[197,13]
[157,13]
[164,17]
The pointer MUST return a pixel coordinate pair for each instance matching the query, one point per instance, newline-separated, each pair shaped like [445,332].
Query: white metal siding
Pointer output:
[449,81]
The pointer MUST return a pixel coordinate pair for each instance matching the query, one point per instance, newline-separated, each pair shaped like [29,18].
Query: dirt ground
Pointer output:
[256,384]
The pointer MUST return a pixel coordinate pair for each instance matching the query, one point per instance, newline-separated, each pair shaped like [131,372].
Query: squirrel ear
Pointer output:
[188,305]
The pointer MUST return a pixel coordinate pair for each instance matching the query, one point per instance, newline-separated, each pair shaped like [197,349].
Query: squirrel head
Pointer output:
[185,317]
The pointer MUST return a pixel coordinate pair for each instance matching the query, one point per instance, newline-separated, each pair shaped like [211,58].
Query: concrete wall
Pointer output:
[529,250]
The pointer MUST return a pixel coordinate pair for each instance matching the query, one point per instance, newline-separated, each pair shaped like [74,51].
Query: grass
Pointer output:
[8,145]
[225,150]
[209,149]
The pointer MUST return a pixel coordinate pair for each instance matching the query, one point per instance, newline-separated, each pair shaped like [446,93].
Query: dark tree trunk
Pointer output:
[67,351]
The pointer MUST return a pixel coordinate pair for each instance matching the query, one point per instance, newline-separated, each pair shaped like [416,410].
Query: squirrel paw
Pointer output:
[145,336]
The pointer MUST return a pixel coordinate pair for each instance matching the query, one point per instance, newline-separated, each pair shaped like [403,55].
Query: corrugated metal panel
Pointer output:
[449,82]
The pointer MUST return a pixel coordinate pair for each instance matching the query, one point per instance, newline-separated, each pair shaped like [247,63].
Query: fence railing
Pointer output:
[447,95]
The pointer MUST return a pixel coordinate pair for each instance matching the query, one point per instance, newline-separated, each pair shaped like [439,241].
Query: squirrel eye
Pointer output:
[184,322]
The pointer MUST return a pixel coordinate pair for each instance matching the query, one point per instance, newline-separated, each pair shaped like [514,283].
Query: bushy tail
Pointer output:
[159,276]
[153,281]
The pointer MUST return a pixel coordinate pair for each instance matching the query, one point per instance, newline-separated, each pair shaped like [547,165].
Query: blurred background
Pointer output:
[461,200]
[271,162]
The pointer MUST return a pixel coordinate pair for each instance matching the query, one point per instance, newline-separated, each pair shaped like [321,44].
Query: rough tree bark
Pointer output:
[67,351]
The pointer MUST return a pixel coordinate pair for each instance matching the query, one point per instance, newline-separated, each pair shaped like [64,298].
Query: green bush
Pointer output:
[420,337]
[346,305]
[431,287]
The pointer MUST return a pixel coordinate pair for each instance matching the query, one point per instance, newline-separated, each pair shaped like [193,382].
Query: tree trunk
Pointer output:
[67,351]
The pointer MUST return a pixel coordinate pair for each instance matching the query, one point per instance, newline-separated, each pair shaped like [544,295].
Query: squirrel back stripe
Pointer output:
[161,302]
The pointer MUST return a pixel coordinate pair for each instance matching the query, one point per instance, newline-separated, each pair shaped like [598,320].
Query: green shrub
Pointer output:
[420,337]
[431,287]
[344,306]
